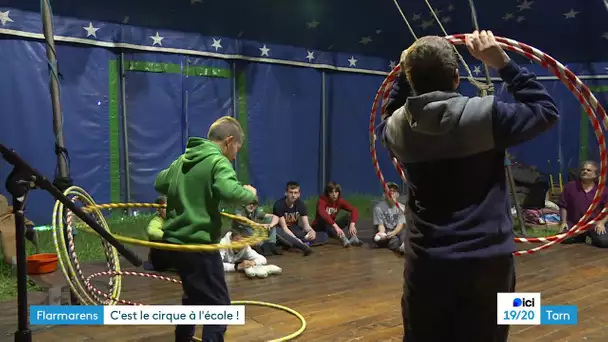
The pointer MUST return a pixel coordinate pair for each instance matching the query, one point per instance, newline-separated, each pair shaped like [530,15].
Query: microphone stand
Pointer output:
[20,181]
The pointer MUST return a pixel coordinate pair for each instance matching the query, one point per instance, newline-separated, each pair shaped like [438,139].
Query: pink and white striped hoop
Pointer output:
[590,104]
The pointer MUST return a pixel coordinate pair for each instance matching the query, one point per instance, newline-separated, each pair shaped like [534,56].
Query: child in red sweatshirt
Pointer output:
[325,224]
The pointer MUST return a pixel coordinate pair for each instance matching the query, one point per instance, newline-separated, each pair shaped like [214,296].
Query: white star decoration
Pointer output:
[125,20]
[508,16]
[91,31]
[264,50]
[310,55]
[605,35]
[525,5]
[352,61]
[477,70]
[157,39]
[192,2]
[416,16]
[451,8]
[217,44]
[378,31]
[4,18]
[446,20]
[365,40]
[520,18]
[312,24]
[427,23]
[392,65]
[572,14]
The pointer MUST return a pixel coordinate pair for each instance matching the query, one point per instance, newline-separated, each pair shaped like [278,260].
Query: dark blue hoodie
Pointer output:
[452,148]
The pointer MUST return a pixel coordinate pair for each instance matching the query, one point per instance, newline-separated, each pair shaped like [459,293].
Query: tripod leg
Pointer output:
[23,334]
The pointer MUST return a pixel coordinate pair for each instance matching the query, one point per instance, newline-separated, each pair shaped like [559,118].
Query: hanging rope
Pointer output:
[480,85]
[406,21]
[483,87]
[490,91]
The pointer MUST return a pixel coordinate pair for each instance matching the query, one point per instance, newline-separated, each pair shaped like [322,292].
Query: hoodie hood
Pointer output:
[440,125]
[197,149]
[434,113]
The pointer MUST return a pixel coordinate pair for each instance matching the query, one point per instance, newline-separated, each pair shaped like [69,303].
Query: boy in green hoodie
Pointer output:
[195,184]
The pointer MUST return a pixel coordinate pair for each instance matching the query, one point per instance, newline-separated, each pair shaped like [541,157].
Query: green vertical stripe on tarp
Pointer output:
[114,123]
[241,93]
[584,130]
[170,68]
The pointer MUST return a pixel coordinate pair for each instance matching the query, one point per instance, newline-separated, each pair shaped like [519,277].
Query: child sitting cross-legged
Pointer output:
[389,221]
[255,213]
[326,223]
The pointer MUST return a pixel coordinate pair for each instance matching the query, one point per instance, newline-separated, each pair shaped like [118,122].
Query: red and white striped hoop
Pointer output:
[590,104]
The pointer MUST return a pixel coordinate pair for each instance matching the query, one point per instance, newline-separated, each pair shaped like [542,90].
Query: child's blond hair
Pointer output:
[225,127]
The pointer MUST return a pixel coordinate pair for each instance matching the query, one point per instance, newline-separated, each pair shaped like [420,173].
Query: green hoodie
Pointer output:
[194,185]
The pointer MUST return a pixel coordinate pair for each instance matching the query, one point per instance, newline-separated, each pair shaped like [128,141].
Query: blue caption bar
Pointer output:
[559,314]
[66,315]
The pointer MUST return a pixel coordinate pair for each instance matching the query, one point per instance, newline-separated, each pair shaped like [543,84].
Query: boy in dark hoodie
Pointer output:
[459,245]
[195,184]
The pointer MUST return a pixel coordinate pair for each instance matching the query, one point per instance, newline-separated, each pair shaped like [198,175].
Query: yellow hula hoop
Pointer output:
[86,293]
[260,234]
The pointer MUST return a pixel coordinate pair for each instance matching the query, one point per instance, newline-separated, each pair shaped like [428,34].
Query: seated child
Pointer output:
[239,259]
[389,221]
[328,208]
[291,210]
[158,259]
[255,213]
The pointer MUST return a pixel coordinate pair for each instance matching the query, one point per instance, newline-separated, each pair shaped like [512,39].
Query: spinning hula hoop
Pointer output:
[88,294]
[591,105]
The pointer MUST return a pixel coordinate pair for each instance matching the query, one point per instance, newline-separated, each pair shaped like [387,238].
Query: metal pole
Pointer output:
[125,128]
[235,113]
[23,334]
[186,101]
[62,178]
[47,26]
[323,132]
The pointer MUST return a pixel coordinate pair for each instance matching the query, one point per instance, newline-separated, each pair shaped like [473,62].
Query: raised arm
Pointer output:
[398,95]
[533,113]
[227,186]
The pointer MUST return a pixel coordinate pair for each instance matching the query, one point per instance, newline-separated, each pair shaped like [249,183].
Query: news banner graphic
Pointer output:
[137,315]
[524,308]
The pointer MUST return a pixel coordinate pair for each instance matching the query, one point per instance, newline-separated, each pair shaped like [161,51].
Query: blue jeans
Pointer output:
[297,241]
[597,240]
[325,230]
[204,283]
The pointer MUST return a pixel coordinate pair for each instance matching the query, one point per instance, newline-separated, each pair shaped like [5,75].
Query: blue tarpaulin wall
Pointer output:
[305,111]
